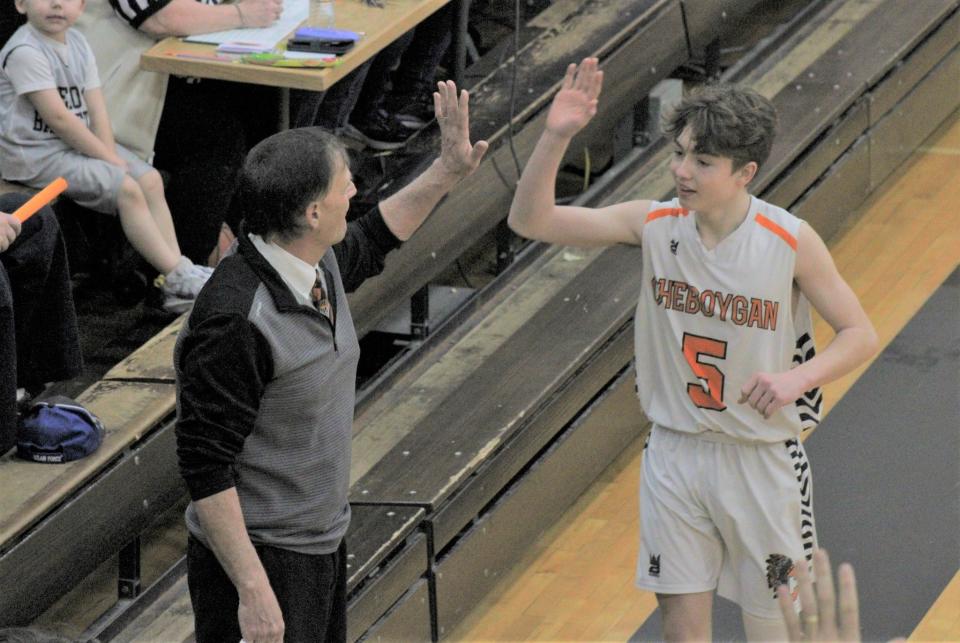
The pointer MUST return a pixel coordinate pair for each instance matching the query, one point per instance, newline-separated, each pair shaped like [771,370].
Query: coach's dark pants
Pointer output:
[311,590]
[38,325]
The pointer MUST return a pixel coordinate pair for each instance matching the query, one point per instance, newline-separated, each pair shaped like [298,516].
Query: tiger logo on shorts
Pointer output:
[780,571]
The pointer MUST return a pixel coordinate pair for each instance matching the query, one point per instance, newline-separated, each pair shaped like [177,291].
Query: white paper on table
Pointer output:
[308,55]
[294,13]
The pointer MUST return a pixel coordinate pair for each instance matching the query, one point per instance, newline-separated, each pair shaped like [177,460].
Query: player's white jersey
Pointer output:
[707,320]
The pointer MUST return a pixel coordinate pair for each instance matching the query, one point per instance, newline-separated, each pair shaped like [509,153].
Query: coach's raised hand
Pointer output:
[408,208]
[457,155]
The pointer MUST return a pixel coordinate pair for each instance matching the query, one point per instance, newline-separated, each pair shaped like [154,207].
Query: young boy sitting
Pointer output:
[53,122]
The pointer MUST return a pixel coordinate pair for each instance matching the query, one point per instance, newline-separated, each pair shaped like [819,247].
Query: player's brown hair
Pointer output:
[726,120]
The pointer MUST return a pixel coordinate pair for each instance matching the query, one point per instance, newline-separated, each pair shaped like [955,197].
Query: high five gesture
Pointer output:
[457,154]
[534,213]
[576,102]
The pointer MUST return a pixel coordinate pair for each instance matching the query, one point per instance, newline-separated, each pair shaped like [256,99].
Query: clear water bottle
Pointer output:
[321,13]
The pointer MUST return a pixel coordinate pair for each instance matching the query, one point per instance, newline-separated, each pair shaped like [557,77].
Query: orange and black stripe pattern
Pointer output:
[808,404]
[802,467]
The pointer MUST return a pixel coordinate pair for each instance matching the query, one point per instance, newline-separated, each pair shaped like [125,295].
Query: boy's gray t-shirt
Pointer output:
[29,62]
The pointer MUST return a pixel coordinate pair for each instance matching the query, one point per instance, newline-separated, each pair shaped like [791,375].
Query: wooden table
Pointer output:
[380,26]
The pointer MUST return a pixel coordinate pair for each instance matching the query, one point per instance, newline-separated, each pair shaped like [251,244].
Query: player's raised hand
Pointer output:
[576,102]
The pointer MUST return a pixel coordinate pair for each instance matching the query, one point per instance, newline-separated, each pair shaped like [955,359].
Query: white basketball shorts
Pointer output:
[723,515]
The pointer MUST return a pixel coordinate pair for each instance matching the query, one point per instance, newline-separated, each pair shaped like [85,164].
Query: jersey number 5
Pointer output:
[708,392]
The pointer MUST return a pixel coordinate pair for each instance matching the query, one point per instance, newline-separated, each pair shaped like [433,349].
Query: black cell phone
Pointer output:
[313,45]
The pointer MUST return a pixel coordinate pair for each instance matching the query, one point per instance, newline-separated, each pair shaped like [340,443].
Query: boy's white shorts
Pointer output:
[92,183]
[723,515]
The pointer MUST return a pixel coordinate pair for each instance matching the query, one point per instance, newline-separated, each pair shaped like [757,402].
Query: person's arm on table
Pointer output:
[189,17]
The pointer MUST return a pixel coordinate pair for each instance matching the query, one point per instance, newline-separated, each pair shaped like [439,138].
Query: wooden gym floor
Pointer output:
[576,582]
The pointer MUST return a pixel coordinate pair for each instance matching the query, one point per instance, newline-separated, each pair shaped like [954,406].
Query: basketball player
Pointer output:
[725,364]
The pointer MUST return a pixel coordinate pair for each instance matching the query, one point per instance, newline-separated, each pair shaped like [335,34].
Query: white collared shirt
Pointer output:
[295,272]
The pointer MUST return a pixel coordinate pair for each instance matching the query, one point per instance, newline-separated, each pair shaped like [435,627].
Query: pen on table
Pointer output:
[214,57]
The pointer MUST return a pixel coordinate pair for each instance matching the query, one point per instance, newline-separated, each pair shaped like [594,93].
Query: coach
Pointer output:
[266,365]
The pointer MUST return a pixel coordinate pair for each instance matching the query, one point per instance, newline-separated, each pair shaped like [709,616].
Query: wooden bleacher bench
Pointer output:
[387,555]
[490,444]
[65,517]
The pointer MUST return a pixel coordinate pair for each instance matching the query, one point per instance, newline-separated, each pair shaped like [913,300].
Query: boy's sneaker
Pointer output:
[204,271]
[416,112]
[182,285]
[23,400]
[382,131]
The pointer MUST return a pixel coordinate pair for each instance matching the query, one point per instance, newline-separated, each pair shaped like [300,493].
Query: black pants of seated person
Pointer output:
[411,60]
[311,591]
[333,108]
[205,131]
[330,109]
[409,70]
[38,325]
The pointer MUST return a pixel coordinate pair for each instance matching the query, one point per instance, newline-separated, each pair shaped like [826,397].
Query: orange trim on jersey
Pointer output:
[667,212]
[777,230]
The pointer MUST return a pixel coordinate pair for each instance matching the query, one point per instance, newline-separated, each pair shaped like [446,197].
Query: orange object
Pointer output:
[777,230]
[40,199]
